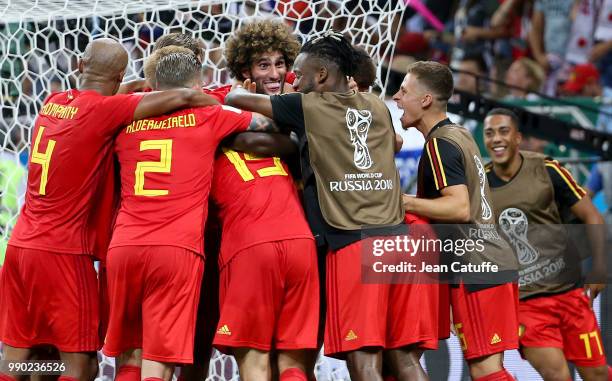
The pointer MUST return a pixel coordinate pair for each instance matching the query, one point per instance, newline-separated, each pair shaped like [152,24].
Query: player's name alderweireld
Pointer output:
[178,121]
[454,267]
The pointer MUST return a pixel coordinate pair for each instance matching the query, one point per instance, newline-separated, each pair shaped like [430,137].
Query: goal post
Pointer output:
[42,40]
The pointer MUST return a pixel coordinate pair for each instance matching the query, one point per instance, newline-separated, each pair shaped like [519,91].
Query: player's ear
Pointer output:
[322,75]
[246,74]
[81,65]
[519,137]
[120,78]
[427,100]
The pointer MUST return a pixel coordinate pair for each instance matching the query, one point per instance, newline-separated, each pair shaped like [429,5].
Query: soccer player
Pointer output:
[365,71]
[266,240]
[557,323]
[356,127]
[452,189]
[48,283]
[262,51]
[155,259]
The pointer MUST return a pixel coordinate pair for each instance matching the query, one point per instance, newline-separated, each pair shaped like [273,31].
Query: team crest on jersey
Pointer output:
[514,223]
[486,211]
[358,123]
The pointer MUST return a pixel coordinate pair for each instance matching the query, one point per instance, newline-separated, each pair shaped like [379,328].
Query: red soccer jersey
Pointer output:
[219,93]
[71,153]
[166,174]
[258,202]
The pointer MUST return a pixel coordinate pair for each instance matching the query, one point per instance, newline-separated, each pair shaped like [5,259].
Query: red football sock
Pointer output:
[6,377]
[67,378]
[293,374]
[128,373]
[609,373]
[501,375]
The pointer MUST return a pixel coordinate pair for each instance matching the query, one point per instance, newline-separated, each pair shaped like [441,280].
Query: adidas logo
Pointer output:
[224,330]
[496,339]
[350,336]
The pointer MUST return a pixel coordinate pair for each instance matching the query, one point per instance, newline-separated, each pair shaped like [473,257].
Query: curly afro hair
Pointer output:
[256,38]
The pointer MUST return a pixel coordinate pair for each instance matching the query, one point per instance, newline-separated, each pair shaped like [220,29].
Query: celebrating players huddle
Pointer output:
[289,263]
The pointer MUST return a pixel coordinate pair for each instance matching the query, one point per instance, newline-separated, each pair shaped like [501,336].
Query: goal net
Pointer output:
[41,41]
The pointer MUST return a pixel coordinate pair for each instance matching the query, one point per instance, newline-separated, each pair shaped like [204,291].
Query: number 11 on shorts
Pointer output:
[586,338]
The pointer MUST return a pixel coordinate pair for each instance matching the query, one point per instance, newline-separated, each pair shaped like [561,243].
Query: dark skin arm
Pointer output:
[163,102]
[588,214]
[262,144]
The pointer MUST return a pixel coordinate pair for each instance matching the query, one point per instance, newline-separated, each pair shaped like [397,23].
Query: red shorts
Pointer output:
[49,298]
[154,293]
[563,321]
[486,321]
[269,296]
[375,315]
[411,315]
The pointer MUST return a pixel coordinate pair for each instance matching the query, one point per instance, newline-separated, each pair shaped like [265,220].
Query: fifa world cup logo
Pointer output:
[358,123]
[515,225]
[486,210]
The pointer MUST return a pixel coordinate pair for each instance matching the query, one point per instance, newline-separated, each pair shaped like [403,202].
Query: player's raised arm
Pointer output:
[163,102]
[245,100]
[262,124]
[134,86]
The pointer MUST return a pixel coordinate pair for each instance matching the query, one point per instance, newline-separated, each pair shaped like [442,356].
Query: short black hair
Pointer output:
[365,69]
[332,47]
[506,112]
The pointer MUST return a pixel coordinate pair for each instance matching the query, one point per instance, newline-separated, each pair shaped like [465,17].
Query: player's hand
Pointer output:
[592,290]
[250,86]
[288,88]
[407,201]
[595,282]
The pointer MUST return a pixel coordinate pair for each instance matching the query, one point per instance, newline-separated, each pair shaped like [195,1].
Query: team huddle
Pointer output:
[162,181]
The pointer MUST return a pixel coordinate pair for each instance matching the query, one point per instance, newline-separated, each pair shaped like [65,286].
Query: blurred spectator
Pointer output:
[412,44]
[549,36]
[601,55]
[527,75]
[515,16]
[469,77]
[600,179]
[583,28]
[472,30]
[583,81]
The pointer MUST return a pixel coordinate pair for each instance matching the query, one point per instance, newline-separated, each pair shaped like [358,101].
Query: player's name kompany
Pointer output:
[59,111]
[455,267]
[178,121]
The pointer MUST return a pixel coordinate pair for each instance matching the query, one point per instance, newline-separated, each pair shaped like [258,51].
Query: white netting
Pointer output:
[41,41]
